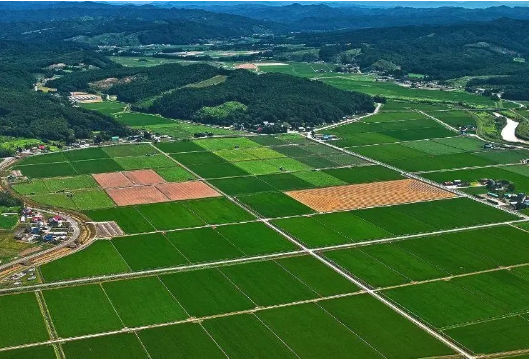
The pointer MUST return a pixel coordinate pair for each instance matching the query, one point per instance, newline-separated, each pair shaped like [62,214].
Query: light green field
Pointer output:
[145,162]
[70,183]
[392,90]
[218,144]
[174,174]
[106,107]
[92,199]
[35,186]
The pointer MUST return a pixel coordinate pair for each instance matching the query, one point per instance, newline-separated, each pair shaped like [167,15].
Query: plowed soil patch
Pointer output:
[136,195]
[246,66]
[365,195]
[144,177]
[112,180]
[186,190]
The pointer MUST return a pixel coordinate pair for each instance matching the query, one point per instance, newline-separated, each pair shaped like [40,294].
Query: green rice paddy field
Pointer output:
[441,154]
[254,273]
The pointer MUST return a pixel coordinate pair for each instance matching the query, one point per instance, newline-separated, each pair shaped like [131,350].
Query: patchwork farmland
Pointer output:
[279,246]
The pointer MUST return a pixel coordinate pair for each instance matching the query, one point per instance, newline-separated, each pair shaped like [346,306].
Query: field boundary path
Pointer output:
[315,253]
[451,128]
[338,270]
[419,178]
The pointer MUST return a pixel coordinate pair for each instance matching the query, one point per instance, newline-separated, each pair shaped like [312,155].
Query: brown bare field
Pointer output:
[186,190]
[246,66]
[365,195]
[144,177]
[136,195]
[112,180]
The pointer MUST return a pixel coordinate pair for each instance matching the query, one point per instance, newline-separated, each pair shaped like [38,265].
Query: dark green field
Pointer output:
[206,292]
[161,307]
[173,215]
[274,204]
[182,341]
[148,251]
[119,345]
[60,169]
[22,322]
[128,218]
[81,310]
[216,280]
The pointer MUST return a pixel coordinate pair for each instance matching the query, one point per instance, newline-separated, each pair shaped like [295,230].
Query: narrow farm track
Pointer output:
[376,295]
[461,350]
[450,277]
[188,320]
[419,178]
[467,168]
[316,253]
[410,236]
[451,128]
[398,142]
[338,270]
[150,272]
[169,270]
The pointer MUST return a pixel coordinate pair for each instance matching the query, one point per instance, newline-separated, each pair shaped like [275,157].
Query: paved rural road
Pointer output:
[6,162]
[453,129]
[379,105]
[414,176]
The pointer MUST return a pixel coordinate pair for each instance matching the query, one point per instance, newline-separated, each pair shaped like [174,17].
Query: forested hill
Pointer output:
[250,99]
[236,97]
[133,84]
[104,24]
[25,113]
[442,52]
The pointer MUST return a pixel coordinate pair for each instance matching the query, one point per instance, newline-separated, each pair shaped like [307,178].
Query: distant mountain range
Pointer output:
[368,4]
[231,19]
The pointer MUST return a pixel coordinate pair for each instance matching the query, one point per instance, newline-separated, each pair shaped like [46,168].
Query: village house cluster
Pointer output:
[53,229]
